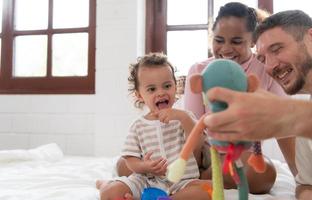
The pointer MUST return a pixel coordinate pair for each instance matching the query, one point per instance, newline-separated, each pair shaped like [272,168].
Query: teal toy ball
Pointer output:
[223,73]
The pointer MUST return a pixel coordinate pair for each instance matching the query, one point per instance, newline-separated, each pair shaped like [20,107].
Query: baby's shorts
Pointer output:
[137,183]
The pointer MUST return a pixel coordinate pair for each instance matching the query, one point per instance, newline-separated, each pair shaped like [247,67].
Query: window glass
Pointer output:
[184,48]
[189,44]
[70,54]
[187,12]
[31,14]
[305,6]
[48,45]
[30,56]
[70,13]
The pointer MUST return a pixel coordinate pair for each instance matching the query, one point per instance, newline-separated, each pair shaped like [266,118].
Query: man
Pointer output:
[284,45]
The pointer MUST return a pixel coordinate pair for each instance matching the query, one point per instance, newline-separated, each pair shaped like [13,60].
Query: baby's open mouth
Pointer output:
[162,104]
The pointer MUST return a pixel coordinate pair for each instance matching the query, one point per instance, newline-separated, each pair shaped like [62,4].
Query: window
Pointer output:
[47,46]
[181,28]
[305,6]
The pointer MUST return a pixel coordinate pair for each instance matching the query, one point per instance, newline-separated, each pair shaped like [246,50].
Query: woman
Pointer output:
[232,39]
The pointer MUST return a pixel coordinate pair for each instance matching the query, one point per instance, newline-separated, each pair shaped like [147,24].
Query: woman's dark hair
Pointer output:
[236,9]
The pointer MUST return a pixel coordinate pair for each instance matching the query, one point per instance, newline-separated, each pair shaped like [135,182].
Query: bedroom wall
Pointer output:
[84,124]
[89,124]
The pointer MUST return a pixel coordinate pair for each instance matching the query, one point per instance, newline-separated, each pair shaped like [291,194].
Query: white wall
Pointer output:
[88,124]
[84,124]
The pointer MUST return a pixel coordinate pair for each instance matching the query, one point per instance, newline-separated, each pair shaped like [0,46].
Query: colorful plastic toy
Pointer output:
[228,74]
[164,198]
[153,193]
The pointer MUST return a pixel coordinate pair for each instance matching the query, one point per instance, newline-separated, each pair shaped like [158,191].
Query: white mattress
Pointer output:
[44,173]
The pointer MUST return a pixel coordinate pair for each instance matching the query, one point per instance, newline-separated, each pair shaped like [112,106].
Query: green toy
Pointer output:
[227,74]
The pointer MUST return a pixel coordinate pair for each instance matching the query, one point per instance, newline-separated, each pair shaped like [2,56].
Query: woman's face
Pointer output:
[231,40]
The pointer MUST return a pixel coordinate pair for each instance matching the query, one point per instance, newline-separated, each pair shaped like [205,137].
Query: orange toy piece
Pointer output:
[257,163]
[193,139]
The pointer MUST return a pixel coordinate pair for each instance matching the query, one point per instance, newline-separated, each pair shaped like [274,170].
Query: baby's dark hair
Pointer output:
[151,60]
[236,9]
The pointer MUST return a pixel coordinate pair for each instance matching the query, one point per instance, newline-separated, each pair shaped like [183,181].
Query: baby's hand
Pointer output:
[165,115]
[156,167]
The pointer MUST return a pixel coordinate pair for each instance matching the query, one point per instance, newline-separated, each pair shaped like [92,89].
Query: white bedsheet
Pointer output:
[71,177]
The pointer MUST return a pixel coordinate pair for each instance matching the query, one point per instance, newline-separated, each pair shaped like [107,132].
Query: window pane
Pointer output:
[187,12]
[70,54]
[1,6]
[30,56]
[184,48]
[218,3]
[305,6]
[31,14]
[70,13]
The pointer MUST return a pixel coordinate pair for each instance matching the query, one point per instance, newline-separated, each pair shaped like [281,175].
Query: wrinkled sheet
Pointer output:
[73,177]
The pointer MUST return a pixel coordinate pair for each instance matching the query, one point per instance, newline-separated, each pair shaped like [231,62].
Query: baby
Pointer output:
[155,139]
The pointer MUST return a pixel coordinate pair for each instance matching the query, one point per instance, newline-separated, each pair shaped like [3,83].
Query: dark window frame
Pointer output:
[48,84]
[156,23]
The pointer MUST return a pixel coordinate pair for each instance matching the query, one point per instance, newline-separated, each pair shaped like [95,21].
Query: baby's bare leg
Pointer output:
[194,190]
[122,170]
[115,190]
[304,192]
[101,183]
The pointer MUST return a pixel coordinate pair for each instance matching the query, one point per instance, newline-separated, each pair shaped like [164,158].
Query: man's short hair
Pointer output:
[294,22]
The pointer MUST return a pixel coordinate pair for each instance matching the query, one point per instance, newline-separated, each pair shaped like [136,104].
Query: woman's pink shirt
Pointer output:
[194,102]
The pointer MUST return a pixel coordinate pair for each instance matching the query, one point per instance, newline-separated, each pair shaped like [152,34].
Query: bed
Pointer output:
[46,173]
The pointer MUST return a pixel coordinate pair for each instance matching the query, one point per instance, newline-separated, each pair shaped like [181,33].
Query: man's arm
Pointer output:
[258,115]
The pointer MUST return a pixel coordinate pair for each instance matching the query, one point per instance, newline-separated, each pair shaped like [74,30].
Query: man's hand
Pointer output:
[252,116]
